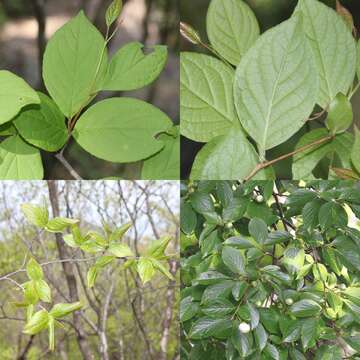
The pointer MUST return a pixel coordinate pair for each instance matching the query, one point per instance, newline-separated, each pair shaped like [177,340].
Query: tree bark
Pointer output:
[69,271]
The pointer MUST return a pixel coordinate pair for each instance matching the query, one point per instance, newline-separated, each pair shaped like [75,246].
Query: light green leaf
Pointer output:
[7,129]
[305,308]
[43,290]
[340,114]
[353,341]
[69,240]
[355,152]
[335,56]
[157,248]
[37,322]
[120,250]
[60,310]
[165,165]
[20,161]
[121,129]
[233,259]
[91,276]
[232,28]
[220,158]
[43,125]
[131,69]
[74,65]
[118,233]
[113,12]
[162,268]
[15,93]
[91,246]
[102,261]
[268,110]
[30,294]
[34,270]
[145,269]
[36,215]
[59,224]
[206,97]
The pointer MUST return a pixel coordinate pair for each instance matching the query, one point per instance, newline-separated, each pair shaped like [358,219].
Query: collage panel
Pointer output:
[269,90]
[89,89]
[89,270]
[270,270]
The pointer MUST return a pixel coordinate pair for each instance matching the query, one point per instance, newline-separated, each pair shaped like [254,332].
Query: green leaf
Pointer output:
[7,129]
[332,214]
[59,224]
[242,342]
[188,218]
[91,276]
[206,327]
[293,259]
[218,308]
[310,214]
[211,277]
[30,293]
[36,215]
[277,237]
[91,246]
[69,240]
[43,125]
[348,251]
[165,165]
[220,290]
[241,242]
[353,341]
[305,308]
[232,28]
[340,114]
[15,93]
[51,326]
[157,248]
[188,309]
[43,290]
[37,322]
[254,315]
[34,270]
[102,261]
[335,56]
[162,268]
[261,337]
[272,352]
[74,65]
[118,233]
[145,269]
[120,250]
[233,259]
[60,310]
[258,230]
[206,97]
[355,152]
[20,161]
[214,163]
[131,69]
[269,111]
[300,197]
[328,352]
[113,12]
[121,129]
[309,332]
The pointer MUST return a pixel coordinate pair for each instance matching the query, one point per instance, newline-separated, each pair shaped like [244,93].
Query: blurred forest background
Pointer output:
[269,13]
[136,322]
[25,26]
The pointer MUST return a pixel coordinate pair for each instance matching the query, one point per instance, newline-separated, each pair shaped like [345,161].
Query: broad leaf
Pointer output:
[43,290]
[220,158]
[120,250]
[59,224]
[206,327]
[145,269]
[60,310]
[92,275]
[355,151]
[74,65]
[34,270]
[206,97]
[43,125]
[188,218]
[309,332]
[261,337]
[305,308]
[113,12]
[37,322]
[130,68]
[188,309]
[333,46]
[121,129]
[332,214]
[258,230]
[36,215]
[15,93]
[233,259]
[270,111]
[20,161]
[232,28]
[340,114]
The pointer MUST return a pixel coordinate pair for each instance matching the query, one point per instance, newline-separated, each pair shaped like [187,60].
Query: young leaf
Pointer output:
[206,97]
[165,165]
[36,215]
[60,310]
[214,162]
[131,68]
[59,224]
[43,125]
[145,269]
[233,259]
[20,161]
[34,270]
[232,28]
[335,56]
[113,12]
[30,294]
[91,276]
[355,152]
[118,233]
[69,240]
[102,261]
[121,129]
[39,321]
[74,64]
[340,114]
[43,290]
[270,112]
[159,266]
[120,250]
[157,248]
[15,93]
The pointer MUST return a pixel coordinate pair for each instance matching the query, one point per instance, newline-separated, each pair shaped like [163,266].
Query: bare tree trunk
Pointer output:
[166,325]
[69,271]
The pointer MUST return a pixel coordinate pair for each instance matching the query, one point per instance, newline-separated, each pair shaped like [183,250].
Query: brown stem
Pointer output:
[266,164]
[68,167]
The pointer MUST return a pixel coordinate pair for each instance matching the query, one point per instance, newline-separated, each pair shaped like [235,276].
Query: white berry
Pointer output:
[244,327]
[289,301]
[259,199]
[229,225]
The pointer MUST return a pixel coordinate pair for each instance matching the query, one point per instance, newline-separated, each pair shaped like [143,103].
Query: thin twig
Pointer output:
[68,167]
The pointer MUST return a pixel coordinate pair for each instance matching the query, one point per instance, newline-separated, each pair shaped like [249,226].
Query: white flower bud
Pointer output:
[244,327]
[289,301]
[229,225]
[342,286]
[259,199]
